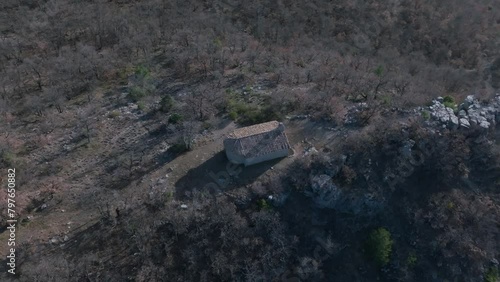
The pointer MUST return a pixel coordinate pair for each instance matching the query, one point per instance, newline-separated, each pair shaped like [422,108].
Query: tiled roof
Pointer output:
[257,140]
[254,129]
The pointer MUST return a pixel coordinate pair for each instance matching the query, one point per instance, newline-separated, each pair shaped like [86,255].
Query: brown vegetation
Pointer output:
[97,98]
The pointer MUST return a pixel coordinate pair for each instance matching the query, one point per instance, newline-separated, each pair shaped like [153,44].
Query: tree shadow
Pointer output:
[223,123]
[121,178]
[83,242]
[217,175]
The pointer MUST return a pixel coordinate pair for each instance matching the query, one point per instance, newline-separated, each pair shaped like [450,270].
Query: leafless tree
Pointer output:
[86,121]
[36,104]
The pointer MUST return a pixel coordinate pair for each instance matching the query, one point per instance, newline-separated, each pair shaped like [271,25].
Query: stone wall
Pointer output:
[267,157]
[234,158]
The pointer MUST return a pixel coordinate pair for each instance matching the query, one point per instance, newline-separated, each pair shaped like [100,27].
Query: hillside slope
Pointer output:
[113,115]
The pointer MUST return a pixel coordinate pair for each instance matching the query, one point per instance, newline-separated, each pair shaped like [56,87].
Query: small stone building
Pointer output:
[257,143]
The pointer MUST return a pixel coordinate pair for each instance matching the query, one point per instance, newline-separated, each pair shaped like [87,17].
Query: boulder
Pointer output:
[471,113]
[444,115]
[464,122]
[477,118]
[484,124]
[453,123]
[469,101]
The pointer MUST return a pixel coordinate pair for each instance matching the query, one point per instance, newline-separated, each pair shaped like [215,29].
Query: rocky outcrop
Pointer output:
[326,194]
[356,115]
[443,114]
[469,114]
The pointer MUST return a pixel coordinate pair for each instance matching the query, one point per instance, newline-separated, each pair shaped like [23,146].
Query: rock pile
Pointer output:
[470,113]
[326,194]
[354,115]
[444,114]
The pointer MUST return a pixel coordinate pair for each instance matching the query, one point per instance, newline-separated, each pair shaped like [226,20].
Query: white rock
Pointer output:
[454,121]
[464,123]
[484,124]
[468,102]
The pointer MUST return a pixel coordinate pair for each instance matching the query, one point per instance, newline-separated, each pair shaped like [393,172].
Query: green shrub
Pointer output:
[8,158]
[142,71]
[379,71]
[233,115]
[252,108]
[175,118]
[411,260]
[448,99]
[269,113]
[179,147]
[123,73]
[136,93]
[379,246]
[218,42]
[387,99]
[450,205]
[449,102]
[114,114]
[300,63]
[491,275]
[248,114]
[426,115]
[141,106]
[263,204]
[169,196]
[206,125]
[166,103]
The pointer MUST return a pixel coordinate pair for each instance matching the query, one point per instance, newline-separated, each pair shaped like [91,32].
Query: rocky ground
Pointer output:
[469,114]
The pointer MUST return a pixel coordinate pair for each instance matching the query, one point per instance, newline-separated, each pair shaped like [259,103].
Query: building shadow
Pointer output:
[217,175]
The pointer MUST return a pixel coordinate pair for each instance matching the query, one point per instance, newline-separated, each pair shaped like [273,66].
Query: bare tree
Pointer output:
[401,86]
[85,120]
[36,104]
